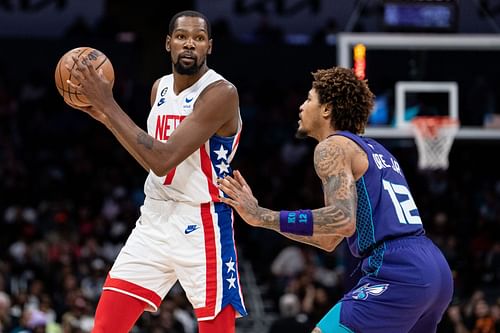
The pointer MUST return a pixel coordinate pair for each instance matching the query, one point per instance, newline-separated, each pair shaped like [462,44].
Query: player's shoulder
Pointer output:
[156,84]
[163,78]
[163,81]
[219,82]
[333,141]
[335,145]
[221,88]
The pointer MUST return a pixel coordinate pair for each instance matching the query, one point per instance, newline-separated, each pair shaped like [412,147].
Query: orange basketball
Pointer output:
[98,60]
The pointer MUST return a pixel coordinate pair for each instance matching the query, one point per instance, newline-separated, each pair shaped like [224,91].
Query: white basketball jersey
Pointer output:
[193,180]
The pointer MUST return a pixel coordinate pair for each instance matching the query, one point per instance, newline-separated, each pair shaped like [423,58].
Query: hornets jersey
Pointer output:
[386,209]
[193,180]
[406,284]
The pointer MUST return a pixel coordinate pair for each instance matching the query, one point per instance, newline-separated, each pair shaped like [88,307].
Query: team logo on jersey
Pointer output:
[161,101]
[364,291]
[190,228]
[164,91]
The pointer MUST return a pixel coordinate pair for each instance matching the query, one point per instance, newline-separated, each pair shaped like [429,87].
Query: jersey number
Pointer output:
[404,206]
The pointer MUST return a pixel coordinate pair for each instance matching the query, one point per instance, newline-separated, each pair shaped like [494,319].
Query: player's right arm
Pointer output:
[215,112]
[244,202]
[124,142]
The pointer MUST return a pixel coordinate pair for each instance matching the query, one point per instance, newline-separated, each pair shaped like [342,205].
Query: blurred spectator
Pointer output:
[484,322]
[289,262]
[37,321]
[5,319]
[291,320]
[454,316]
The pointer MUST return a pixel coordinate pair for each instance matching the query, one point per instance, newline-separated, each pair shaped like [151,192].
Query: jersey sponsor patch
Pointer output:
[364,291]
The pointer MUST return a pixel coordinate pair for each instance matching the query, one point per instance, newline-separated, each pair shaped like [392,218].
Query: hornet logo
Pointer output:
[362,292]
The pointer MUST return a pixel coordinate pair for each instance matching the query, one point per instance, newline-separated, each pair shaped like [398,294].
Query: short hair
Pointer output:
[189,13]
[351,99]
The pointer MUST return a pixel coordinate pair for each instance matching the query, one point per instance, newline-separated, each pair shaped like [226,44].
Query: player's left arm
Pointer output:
[332,223]
[333,164]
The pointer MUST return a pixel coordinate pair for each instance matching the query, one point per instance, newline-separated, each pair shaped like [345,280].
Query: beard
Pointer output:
[187,70]
[301,134]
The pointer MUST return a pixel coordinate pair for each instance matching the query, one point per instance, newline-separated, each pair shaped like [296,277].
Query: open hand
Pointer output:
[240,197]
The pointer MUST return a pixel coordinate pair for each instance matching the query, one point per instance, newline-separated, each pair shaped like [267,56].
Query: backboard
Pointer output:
[403,89]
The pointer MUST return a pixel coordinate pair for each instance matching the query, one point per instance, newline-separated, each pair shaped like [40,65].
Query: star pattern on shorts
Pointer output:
[230,265]
[231,281]
[221,153]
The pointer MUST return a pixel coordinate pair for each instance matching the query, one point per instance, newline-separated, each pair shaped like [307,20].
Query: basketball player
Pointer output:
[406,284]
[184,232]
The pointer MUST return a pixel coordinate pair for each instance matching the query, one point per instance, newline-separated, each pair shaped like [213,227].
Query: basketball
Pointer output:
[98,60]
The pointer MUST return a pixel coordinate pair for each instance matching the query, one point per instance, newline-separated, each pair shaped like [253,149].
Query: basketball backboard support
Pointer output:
[419,41]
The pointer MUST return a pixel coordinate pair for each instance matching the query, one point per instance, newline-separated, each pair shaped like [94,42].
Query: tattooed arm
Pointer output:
[215,111]
[332,161]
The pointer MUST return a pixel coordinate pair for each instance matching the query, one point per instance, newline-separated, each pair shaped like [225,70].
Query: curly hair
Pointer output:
[351,99]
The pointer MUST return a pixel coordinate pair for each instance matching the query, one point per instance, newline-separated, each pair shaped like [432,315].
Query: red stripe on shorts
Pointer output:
[133,289]
[211,264]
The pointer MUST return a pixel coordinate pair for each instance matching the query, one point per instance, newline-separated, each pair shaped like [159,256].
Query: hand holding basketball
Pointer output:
[91,75]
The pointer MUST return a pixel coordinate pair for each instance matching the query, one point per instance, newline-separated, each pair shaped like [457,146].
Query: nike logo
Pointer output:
[161,101]
[188,100]
[190,228]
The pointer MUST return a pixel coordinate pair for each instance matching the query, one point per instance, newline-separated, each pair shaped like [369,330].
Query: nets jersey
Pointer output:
[193,180]
[386,209]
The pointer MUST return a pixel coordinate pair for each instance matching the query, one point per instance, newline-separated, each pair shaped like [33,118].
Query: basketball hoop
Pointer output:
[434,137]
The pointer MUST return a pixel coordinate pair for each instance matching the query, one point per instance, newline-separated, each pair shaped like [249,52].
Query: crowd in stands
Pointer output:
[69,196]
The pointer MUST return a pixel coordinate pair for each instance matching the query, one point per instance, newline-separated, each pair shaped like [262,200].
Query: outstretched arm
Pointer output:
[215,107]
[331,223]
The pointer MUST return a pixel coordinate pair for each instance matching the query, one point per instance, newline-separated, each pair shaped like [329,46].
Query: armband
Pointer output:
[299,222]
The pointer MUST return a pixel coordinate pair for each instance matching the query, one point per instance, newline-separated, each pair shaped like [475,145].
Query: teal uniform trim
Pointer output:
[331,321]
[365,227]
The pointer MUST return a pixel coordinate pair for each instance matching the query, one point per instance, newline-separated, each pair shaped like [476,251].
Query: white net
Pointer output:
[434,136]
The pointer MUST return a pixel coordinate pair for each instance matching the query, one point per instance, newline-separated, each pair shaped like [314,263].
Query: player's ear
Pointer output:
[167,43]
[327,110]
[209,46]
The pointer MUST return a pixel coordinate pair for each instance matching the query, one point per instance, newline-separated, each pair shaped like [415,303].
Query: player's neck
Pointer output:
[324,133]
[182,82]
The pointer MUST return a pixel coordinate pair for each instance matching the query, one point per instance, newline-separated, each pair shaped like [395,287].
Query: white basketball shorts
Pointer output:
[176,241]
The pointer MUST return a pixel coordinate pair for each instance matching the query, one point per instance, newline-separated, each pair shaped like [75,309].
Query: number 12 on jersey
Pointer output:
[403,206]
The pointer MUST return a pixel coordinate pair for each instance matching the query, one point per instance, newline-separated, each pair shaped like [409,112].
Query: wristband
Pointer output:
[299,222]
